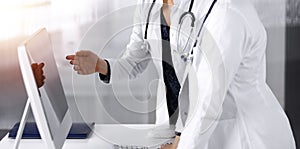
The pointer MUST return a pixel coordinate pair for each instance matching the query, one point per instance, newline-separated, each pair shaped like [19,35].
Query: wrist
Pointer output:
[176,141]
[101,66]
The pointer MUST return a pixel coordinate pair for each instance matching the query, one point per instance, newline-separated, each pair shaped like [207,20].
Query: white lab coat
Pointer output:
[225,102]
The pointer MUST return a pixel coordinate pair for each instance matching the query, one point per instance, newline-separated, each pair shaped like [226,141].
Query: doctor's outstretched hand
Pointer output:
[171,146]
[86,62]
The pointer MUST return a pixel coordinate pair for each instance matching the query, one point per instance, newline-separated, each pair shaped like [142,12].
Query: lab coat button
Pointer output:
[185,113]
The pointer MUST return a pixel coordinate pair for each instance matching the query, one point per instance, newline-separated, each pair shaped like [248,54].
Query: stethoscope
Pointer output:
[186,54]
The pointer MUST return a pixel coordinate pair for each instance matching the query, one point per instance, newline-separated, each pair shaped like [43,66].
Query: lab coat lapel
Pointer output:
[154,36]
[154,39]
[188,96]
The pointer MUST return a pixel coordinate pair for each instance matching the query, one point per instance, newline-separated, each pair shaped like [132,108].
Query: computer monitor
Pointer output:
[49,107]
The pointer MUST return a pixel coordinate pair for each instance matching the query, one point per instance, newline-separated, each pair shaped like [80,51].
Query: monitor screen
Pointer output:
[40,50]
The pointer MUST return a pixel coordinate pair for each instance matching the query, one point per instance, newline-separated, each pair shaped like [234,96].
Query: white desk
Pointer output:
[103,137]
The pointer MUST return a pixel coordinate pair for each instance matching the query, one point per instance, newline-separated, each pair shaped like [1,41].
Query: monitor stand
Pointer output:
[44,131]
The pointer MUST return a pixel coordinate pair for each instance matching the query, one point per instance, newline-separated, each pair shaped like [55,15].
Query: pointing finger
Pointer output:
[41,65]
[70,57]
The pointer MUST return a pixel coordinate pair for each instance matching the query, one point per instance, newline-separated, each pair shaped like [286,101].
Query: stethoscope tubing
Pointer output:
[181,21]
[148,19]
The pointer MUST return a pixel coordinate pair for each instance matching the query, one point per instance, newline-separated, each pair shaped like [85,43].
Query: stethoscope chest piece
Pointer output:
[145,44]
[187,57]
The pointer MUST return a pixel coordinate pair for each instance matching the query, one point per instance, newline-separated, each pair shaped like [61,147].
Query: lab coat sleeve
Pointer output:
[224,45]
[136,56]
[106,78]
